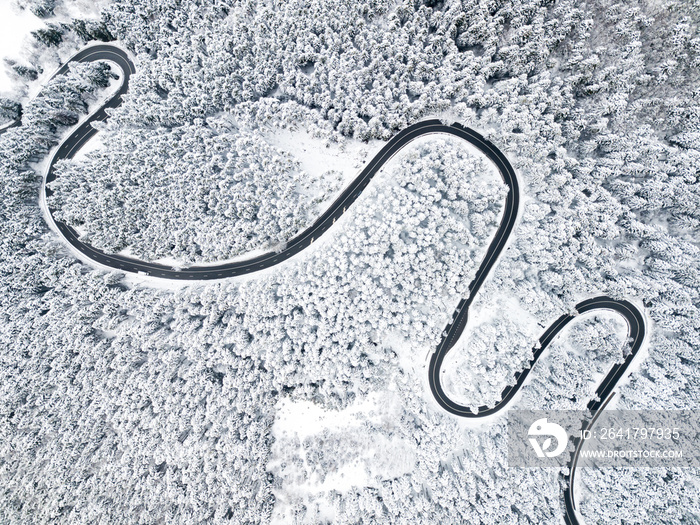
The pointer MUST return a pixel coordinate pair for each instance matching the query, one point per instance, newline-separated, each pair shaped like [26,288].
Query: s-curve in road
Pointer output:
[635,320]
[636,332]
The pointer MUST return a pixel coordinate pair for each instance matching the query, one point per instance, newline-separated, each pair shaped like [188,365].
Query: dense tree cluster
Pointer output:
[192,194]
[369,67]
[407,233]
[661,495]
[566,377]
[61,325]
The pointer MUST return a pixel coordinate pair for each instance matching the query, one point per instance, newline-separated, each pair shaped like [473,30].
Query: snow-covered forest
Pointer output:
[191,194]
[300,395]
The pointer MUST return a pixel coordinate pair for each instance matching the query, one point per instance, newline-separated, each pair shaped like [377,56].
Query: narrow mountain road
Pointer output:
[633,317]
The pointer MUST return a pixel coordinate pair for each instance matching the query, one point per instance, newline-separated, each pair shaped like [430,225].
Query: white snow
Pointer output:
[317,156]
[80,9]
[304,418]
[359,439]
[93,144]
[15,25]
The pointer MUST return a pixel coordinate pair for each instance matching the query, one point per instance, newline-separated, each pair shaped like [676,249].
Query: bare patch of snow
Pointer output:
[80,9]
[317,450]
[317,156]
[15,26]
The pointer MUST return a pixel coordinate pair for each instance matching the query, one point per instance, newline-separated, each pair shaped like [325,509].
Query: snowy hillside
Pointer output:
[300,394]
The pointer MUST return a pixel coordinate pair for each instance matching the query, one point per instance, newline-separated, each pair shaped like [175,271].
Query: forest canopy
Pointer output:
[123,399]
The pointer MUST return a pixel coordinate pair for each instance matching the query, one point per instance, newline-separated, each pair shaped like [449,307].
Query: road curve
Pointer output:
[636,332]
[10,124]
[604,392]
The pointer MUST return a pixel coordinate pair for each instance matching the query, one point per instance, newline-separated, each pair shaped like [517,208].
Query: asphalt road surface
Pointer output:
[10,124]
[604,392]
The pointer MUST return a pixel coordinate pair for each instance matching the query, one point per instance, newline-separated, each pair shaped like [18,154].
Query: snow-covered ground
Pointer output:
[15,26]
[317,155]
[358,456]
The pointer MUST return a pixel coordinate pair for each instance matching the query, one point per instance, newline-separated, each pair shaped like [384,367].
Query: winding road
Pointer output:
[605,391]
